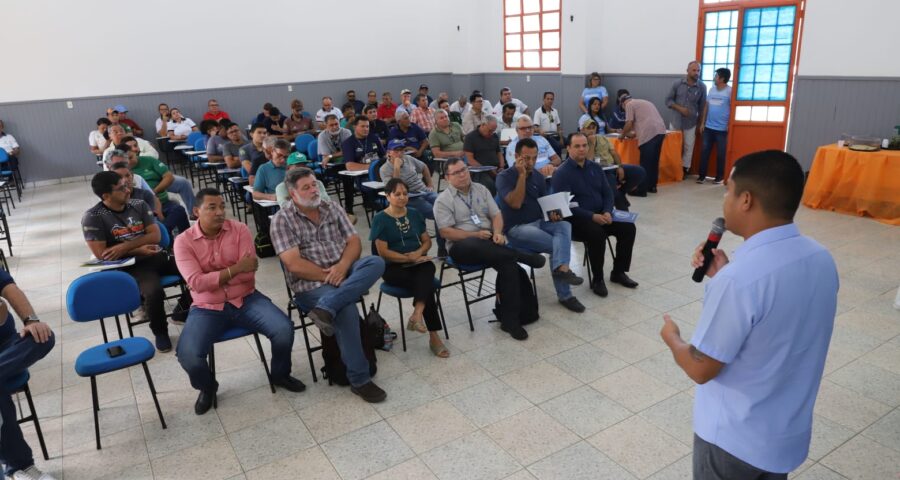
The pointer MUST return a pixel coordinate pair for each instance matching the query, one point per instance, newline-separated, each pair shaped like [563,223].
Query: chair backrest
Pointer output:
[301,143]
[374,170]
[102,295]
[192,138]
[200,143]
[165,240]
[312,151]
[4,157]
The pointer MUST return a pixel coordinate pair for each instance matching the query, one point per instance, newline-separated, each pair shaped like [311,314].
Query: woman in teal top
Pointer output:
[400,238]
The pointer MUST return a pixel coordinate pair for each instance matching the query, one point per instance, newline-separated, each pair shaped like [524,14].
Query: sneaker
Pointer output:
[700,180]
[323,320]
[369,392]
[32,473]
[717,181]
[573,304]
[568,276]
[651,190]
[289,383]
[685,171]
[163,343]
[516,332]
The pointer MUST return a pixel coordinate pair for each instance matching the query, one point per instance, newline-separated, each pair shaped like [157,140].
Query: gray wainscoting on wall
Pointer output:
[826,107]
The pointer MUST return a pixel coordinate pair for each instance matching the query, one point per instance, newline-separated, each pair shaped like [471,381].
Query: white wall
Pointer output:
[856,39]
[61,50]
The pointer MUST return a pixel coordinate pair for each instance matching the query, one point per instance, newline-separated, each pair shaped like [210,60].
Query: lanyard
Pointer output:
[469,203]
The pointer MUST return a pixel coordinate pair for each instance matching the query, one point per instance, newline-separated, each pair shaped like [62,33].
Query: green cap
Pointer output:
[296,158]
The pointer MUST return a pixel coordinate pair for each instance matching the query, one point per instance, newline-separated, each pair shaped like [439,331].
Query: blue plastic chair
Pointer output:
[7,174]
[167,281]
[231,334]
[312,152]
[96,296]
[400,293]
[301,143]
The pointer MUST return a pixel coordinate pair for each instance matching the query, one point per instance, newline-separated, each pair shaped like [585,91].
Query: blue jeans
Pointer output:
[541,236]
[185,190]
[711,137]
[205,326]
[424,204]
[340,302]
[16,355]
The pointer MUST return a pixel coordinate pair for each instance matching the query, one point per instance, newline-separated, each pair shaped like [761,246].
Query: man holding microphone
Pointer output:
[759,348]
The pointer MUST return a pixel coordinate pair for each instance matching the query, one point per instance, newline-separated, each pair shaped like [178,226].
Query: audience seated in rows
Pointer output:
[264,114]
[172,215]
[298,122]
[252,153]
[217,260]
[113,116]
[507,118]
[405,104]
[294,162]
[98,139]
[629,177]
[328,108]
[399,237]
[446,139]
[360,150]
[215,145]
[270,174]
[275,123]
[414,138]
[547,160]
[353,103]
[548,123]
[231,150]
[387,108]
[593,89]
[416,178]
[506,98]
[422,115]
[320,251]
[376,125]
[594,113]
[179,127]
[213,112]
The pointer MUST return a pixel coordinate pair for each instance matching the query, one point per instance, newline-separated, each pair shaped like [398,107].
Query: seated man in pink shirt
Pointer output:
[217,259]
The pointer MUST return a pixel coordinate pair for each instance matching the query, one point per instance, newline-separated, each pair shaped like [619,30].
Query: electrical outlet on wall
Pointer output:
[70,105]
[290,88]
[527,78]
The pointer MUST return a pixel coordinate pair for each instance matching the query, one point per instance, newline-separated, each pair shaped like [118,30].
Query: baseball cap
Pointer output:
[120,108]
[405,90]
[296,158]
[588,121]
[624,97]
[396,144]
[423,86]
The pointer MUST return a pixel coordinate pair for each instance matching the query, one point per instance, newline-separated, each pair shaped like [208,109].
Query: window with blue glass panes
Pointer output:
[766,44]
[719,41]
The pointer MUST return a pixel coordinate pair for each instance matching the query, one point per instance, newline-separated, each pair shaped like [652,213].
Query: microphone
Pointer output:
[712,241]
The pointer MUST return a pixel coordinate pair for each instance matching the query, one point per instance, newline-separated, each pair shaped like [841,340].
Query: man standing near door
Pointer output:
[688,98]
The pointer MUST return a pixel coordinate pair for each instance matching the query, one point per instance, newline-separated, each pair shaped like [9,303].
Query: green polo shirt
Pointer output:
[153,172]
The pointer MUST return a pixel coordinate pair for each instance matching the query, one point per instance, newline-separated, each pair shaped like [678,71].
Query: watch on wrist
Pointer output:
[31,319]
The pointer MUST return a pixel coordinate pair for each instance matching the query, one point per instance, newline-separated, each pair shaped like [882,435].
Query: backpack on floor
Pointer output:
[528,304]
[334,369]
[263,245]
[378,330]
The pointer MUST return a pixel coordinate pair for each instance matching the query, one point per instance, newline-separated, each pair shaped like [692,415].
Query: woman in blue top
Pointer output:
[593,89]
[400,238]
[595,106]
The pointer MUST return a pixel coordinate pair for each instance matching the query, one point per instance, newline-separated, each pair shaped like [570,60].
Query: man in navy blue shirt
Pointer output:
[415,138]
[360,150]
[18,351]
[592,219]
[518,190]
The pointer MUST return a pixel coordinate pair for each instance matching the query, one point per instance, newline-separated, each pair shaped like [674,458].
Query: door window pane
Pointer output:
[766,52]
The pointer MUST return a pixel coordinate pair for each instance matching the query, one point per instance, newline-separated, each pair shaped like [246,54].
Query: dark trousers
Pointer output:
[634,177]
[714,463]
[475,251]
[594,236]
[147,272]
[720,139]
[487,180]
[650,161]
[348,185]
[16,355]
[555,144]
[420,281]
[176,218]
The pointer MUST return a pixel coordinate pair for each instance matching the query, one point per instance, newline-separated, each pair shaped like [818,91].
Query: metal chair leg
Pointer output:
[96,402]
[402,327]
[37,423]
[437,299]
[153,393]
[212,368]
[462,283]
[262,356]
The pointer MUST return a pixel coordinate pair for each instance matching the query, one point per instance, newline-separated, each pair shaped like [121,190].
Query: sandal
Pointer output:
[416,325]
[439,351]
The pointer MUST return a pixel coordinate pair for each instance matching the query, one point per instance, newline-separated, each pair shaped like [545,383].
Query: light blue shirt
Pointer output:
[768,316]
[589,93]
[545,151]
[719,110]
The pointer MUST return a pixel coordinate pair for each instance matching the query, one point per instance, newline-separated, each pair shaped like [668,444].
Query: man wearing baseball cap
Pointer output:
[423,90]
[125,121]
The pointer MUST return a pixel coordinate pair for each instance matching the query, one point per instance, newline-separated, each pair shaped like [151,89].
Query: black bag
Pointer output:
[376,326]
[334,369]
[263,245]
[182,308]
[528,304]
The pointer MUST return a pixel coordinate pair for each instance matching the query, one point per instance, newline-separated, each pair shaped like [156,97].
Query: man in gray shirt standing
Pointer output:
[688,98]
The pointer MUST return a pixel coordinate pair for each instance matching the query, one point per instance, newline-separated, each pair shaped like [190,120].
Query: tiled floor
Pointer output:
[588,396]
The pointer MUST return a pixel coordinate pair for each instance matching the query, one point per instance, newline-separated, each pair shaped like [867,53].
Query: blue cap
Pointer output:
[120,108]
[395,144]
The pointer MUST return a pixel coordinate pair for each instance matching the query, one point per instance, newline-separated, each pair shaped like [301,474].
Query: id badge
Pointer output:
[476,220]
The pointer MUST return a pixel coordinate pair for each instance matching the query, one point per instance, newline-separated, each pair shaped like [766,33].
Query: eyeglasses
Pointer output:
[458,172]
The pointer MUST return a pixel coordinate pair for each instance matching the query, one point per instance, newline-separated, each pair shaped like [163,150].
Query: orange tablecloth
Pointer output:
[858,183]
[669,158]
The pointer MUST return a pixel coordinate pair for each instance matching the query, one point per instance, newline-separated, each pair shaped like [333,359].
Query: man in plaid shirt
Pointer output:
[320,250]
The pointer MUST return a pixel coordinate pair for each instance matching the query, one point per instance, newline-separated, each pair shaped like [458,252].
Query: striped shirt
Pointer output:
[321,243]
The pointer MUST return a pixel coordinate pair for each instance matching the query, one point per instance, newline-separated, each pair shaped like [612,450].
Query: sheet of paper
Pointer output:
[624,217]
[558,202]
